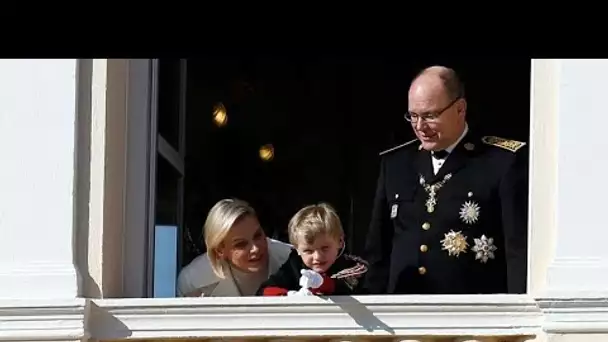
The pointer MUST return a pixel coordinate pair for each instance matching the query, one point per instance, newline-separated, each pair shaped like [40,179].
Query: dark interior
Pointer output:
[327,117]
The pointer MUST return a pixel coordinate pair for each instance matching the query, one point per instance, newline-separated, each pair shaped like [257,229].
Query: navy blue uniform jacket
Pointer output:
[473,241]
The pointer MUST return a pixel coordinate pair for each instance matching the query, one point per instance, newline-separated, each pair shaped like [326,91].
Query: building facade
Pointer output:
[75,138]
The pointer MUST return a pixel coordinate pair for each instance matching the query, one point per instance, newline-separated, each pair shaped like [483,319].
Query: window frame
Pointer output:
[142,94]
[143,149]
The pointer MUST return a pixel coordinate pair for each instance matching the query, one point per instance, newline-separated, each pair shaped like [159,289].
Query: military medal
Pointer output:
[469,212]
[484,249]
[455,243]
[431,202]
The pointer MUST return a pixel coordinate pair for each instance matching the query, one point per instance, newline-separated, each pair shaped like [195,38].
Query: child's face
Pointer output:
[321,254]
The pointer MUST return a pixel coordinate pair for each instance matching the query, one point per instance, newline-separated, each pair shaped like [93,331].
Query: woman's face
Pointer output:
[245,246]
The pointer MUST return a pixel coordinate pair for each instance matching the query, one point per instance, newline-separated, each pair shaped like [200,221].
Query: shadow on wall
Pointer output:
[88,287]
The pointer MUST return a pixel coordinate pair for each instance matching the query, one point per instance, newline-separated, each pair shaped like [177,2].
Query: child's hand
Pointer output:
[310,279]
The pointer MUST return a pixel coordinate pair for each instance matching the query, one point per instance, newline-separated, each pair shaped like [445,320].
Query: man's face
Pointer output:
[437,119]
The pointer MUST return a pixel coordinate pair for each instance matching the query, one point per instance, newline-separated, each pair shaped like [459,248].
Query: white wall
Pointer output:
[580,264]
[37,120]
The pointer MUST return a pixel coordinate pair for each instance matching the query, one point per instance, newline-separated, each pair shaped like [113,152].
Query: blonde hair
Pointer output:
[222,216]
[314,220]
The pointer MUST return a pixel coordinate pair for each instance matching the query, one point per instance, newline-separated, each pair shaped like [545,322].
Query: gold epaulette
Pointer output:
[507,144]
[398,147]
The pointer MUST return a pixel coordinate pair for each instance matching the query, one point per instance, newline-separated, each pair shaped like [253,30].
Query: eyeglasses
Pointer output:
[428,117]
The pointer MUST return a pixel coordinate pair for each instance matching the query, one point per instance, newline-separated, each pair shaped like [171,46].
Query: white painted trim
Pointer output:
[575,315]
[48,320]
[364,316]
[498,315]
[543,185]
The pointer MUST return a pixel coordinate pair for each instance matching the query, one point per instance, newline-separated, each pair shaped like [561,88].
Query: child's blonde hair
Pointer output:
[314,220]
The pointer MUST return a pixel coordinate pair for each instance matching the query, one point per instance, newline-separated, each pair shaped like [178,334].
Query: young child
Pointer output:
[317,235]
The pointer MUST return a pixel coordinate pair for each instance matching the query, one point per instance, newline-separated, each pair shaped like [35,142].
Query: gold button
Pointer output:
[426,226]
[421,270]
[424,248]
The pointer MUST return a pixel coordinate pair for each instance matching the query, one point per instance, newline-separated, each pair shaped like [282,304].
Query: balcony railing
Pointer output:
[504,318]
[345,318]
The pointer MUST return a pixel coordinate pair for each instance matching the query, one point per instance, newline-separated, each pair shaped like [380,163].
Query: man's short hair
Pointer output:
[450,79]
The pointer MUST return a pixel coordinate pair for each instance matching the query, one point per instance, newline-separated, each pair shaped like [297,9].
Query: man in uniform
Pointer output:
[450,212]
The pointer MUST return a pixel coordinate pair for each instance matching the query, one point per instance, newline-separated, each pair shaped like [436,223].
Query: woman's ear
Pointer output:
[219,250]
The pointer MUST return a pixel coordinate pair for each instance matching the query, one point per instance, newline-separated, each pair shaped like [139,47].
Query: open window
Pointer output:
[325,119]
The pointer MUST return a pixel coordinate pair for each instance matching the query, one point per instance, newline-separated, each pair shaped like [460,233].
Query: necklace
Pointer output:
[431,190]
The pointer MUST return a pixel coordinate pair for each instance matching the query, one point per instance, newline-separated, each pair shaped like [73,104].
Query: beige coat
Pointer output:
[198,279]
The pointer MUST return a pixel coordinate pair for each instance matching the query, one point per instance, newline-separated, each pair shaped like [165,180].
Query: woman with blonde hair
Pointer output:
[239,255]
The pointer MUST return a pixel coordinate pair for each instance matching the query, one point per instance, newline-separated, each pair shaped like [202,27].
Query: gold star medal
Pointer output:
[455,243]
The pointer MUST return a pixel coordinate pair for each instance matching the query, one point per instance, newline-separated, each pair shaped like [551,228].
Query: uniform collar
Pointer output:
[464,133]
[459,153]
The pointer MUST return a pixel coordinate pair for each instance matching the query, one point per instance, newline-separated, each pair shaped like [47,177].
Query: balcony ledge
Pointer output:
[43,320]
[315,316]
[571,315]
[364,316]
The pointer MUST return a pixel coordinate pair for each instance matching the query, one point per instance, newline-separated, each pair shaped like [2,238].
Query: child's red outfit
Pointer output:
[342,278]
